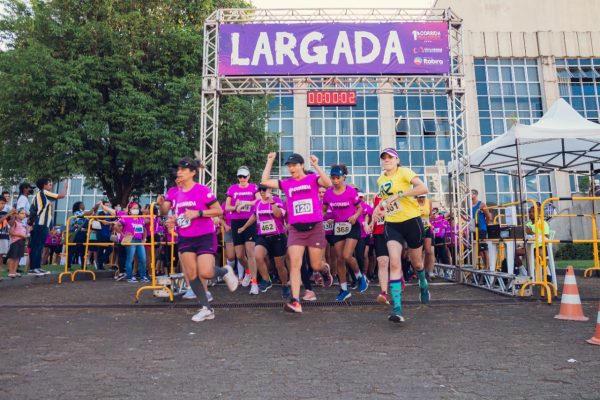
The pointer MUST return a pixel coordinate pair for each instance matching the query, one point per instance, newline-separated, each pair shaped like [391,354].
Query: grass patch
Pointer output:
[577,264]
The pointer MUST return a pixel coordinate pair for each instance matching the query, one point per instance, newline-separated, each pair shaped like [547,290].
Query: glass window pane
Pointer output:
[358,126]
[330,126]
[316,127]
[372,126]
[287,127]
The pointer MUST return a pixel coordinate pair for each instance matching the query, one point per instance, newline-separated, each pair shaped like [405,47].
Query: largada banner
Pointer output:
[416,48]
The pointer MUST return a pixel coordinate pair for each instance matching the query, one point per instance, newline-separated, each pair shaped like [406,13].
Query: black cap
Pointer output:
[294,158]
[189,163]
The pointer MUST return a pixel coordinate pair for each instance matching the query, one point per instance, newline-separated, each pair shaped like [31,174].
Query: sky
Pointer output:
[342,3]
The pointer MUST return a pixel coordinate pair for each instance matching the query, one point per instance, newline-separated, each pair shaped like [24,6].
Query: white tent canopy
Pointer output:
[561,140]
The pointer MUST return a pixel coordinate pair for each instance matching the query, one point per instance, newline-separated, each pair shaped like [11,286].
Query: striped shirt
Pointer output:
[43,202]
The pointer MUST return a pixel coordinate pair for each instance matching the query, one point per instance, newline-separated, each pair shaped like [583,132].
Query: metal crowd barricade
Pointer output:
[153,243]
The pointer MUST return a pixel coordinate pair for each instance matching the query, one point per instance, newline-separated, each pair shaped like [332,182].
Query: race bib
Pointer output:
[436,230]
[246,207]
[138,228]
[268,226]
[380,221]
[328,225]
[303,207]
[183,222]
[342,228]
[393,208]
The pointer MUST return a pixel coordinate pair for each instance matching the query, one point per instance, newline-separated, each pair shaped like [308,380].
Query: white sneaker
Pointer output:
[230,279]
[246,281]
[189,294]
[203,314]
[254,289]
[209,296]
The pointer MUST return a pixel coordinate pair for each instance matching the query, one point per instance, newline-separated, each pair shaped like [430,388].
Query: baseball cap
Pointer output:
[243,170]
[389,151]
[422,196]
[189,163]
[336,171]
[294,158]
[361,194]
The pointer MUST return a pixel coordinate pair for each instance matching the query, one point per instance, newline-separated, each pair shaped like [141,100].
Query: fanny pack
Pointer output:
[304,226]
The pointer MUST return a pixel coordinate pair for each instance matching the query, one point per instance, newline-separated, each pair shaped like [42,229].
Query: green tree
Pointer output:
[106,88]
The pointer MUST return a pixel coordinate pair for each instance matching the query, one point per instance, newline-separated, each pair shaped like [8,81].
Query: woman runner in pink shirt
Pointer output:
[305,217]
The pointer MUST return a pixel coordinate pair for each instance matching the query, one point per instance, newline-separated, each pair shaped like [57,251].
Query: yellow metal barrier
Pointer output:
[152,244]
[541,277]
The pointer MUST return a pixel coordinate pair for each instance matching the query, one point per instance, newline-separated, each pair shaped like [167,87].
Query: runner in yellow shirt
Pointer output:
[398,187]
[425,207]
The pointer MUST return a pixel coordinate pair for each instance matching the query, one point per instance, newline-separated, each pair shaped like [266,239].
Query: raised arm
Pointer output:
[324,179]
[266,174]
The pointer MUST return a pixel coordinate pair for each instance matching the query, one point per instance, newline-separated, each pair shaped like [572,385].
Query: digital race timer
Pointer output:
[331,98]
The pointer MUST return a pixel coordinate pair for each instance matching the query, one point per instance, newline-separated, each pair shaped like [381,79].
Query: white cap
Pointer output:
[361,194]
[243,170]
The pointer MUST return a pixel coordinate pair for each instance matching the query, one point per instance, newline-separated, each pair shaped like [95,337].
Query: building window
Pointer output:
[579,85]
[509,92]
[281,123]
[349,135]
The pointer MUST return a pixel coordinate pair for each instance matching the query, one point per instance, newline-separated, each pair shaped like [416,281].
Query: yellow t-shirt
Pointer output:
[425,208]
[406,207]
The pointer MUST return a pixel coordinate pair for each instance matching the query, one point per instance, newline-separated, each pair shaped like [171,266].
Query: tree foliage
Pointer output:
[109,89]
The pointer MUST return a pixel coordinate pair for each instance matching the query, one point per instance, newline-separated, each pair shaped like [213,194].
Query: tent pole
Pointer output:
[520,194]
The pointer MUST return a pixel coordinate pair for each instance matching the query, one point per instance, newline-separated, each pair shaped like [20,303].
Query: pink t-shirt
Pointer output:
[132,226]
[267,223]
[226,214]
[439,226]
[366,210]
[303,203]
[238,193]
[170,195]
[342,205]
[17,228]
[199,197]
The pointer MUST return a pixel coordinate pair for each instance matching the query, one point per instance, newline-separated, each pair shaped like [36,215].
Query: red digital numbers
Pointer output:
[331,98]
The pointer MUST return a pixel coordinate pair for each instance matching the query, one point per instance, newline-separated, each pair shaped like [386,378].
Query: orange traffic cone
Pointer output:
[570,303]
[596,338]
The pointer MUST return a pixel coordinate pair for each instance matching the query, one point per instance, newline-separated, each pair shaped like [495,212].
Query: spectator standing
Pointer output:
[42,220]
[103,236]
[18,236]
[6,197]
[4,231]
[25,190]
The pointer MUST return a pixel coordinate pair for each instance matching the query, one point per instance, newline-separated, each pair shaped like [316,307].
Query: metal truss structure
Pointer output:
[450,85]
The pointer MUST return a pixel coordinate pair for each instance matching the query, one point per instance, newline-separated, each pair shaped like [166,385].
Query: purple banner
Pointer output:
[416,48]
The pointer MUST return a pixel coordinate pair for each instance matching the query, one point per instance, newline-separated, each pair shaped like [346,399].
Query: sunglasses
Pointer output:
[263,189]
[242,176]
[187,165]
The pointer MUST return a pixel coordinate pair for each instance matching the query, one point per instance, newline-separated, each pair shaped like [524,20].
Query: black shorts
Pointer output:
[428,233]
[353,234]
[205,244]
[410,231]
[380,246]
[482,236]
[54,248]
[16,250]
[276,245]
[241,238]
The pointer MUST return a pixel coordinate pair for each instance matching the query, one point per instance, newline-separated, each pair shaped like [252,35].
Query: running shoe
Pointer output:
[121,276]
[424,295]
[246,281]
[396,317]
[354,285]
[383,299]
[43,271]
[132,280]
[317,278]
[230,279]
[327,278]
[254,289]
[309,295]
[285,292]
[189,294]
[145,280]
[263,286]
[363,284]
[203,314]
[36,272]
[15,275]
[209,296]
[343,295]
[293,306]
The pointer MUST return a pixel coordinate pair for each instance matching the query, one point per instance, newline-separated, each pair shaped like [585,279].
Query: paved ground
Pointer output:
[89,340]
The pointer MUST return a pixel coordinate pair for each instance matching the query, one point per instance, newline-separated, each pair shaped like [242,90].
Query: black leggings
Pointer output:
[440,250]
[306,271]
[359,253]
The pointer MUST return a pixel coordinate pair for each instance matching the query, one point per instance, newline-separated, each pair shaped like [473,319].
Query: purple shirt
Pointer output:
[342,205]
[266,222]
[132,226]
[303,204]
[226,214]
[199,197]
[238,193]
[439,226]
